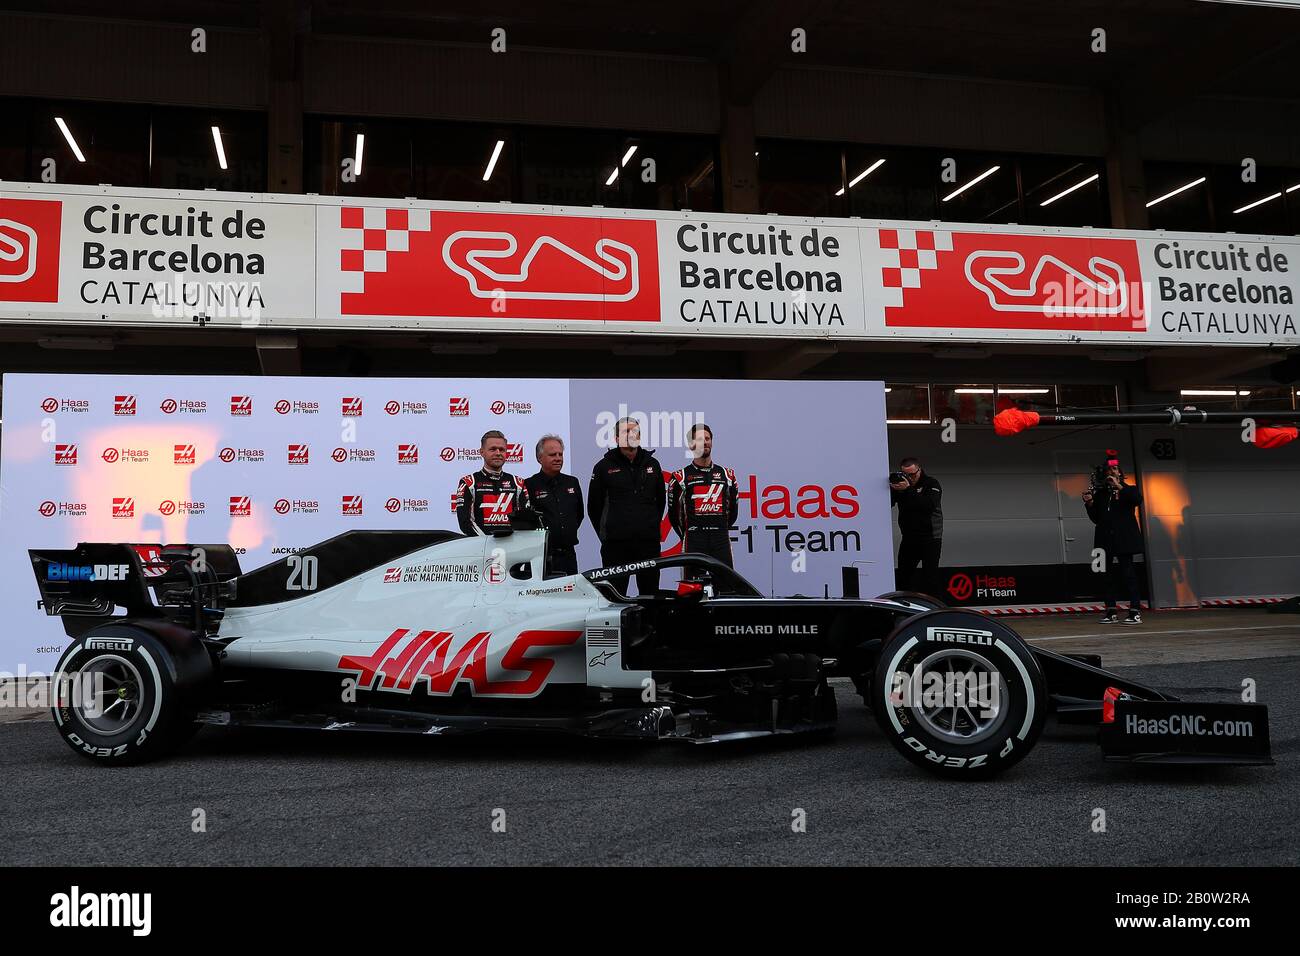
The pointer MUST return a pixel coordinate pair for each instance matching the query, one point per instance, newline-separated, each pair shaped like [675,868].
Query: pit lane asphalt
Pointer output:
[326,799]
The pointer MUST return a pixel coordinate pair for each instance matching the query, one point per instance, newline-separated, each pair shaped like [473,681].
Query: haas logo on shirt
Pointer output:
[497,507]
[707,499]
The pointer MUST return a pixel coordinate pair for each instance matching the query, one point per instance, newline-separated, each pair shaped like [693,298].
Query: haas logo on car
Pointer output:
[29,250]
[399,261]
[938,279]
[439,660]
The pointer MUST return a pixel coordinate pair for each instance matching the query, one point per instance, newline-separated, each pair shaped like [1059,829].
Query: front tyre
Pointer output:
[117,700]
[959,694]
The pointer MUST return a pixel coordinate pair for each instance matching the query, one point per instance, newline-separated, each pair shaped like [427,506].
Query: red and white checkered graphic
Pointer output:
[370,233]
[905,254]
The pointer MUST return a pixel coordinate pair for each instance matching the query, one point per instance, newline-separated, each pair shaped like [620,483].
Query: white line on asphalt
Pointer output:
[1122,631]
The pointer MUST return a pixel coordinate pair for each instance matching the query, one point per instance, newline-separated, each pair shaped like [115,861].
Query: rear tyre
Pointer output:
[117,699]
[959,694]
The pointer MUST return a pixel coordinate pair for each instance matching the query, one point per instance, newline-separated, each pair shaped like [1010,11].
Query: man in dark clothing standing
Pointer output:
[625,502]
[558,497]
[489,499]
[920,519]
[703,500]
[1113,509]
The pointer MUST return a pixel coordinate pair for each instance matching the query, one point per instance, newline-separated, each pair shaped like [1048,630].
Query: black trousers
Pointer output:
[561,562]
[614,553]
[925,552]
[1121,578]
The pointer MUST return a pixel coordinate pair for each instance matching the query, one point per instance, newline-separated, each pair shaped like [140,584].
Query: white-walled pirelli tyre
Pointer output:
[117,697]
[959,694]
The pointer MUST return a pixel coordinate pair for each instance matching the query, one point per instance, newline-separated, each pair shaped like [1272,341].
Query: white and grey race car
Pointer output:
[432,632]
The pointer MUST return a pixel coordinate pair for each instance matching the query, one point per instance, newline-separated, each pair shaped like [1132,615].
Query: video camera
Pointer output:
[1098,485]
[895,477]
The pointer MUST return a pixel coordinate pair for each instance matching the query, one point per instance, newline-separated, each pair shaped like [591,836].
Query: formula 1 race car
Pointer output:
[430,632]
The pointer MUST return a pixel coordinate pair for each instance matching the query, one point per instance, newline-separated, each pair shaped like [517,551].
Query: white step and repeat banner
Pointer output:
[271,465]
[84,255]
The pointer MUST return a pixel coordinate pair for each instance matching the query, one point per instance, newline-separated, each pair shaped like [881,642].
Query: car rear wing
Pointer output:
[94,582]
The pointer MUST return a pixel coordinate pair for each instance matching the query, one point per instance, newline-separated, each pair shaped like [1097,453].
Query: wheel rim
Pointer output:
[974,709]
[116,689]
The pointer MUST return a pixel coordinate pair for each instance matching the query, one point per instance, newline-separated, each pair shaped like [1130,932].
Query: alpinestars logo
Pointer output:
[183,455]
[408,454]
[440,661]
[352,407]
[241,405]
[65,454]
[123,404]
[241,506]
[351,505]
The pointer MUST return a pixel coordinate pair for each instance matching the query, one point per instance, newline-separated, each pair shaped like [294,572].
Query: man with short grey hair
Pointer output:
[558,497]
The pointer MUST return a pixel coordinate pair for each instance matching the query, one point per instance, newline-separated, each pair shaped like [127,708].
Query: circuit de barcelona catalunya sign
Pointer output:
[83,255]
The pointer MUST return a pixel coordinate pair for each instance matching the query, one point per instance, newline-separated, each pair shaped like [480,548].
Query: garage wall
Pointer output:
[1223,519]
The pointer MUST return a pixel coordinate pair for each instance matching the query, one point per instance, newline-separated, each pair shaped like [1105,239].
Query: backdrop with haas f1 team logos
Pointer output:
[272,465]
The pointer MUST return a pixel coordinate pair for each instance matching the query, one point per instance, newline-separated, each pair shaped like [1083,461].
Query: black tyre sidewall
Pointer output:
[155,728]
[945,756]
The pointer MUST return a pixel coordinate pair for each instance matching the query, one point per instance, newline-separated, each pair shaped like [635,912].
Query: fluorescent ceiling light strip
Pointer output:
[361,150]
[67,134]
[1065,192]
[492,163]
[221,150]
[973,391]
[1212,392]
[865,173]
[1180,189]
[1024,391]
[612,176]
[907,421]
[1292,189]
[628,155]
[1257,202]
[961,189]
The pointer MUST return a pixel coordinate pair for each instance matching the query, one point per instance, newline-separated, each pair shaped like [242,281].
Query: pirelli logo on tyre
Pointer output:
[958,635]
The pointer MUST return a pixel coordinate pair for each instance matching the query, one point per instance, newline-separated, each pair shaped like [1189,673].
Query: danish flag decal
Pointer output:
[935,279]
[490,265]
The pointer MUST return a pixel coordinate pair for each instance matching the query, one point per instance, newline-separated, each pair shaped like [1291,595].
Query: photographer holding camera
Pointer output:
[920,519]
[1112,505]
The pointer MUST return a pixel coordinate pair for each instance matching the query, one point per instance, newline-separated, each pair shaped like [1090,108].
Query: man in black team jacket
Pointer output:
[488,499]
[703,500]
[920,519]
[558,497]
[625,502]
[1112,506]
